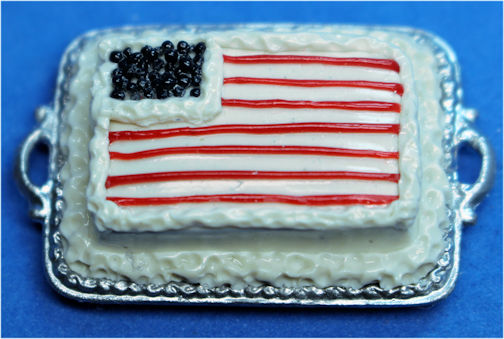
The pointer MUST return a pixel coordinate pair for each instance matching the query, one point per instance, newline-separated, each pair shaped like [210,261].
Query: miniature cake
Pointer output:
[273,155]
[296,131]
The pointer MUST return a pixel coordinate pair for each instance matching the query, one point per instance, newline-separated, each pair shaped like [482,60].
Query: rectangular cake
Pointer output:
[279,131]
[302,156]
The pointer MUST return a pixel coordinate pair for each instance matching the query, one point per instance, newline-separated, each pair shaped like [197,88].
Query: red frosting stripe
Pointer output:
[312,200]
[308,127]
[388,64]
[379,106]
[387,86]
[239,149]
[131,179]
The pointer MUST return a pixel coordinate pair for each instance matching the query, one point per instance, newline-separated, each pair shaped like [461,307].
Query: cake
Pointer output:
[307,157]
[290,131]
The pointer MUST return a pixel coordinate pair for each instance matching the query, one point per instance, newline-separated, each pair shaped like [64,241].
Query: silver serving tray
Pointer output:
[47,208]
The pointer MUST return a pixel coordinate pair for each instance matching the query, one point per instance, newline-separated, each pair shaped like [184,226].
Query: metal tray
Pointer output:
[47,207]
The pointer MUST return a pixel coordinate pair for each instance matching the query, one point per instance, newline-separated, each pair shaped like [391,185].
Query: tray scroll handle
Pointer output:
[473,194]
[39,197]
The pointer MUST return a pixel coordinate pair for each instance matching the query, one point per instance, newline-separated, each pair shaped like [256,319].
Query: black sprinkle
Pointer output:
[171,56]
[117,72]
[132,87]
[120,82]
[116,56]
[135,58]
[184,82]
[195,92]
[178,91]
[124,64]
[185,63]
[149,93]
[196,80]
[168,83]
[127,52]
[183,47]
[200,48]
[167,46]
[118,94]
[149,52]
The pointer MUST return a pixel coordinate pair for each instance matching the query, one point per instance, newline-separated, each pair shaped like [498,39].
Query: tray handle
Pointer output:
[473,194]
[39,197]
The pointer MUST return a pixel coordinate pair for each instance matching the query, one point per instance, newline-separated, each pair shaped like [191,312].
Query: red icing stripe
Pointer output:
[119,180]
[313,200]
[239,149]
[309,127]
[387,86]
[302,59]
[347,105]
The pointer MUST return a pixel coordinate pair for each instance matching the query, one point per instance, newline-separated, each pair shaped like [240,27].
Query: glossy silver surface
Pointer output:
[47,205]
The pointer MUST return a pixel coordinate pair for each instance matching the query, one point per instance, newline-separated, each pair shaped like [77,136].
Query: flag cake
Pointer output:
[279,131]
[255,155]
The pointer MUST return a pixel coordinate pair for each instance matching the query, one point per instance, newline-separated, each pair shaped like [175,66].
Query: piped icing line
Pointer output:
[386,86]
[311,127]
[377,106]
[119,180]
[311,200]
[388,64]
[255,149]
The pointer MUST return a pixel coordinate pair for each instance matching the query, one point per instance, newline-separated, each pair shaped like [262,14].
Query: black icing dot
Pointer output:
[116,72]
[149,93]
[184,82]
[127,52]
[183,47]
[135,58]
[185,63]
[116,56]
[196,80]
[158,72]
[195,92]
[123,64]
[198,61]
[178,91]
[132,87]
[149,52]
[200,48]
[168,83]
[167,46]
[171,56]
[118,94]
[120,82]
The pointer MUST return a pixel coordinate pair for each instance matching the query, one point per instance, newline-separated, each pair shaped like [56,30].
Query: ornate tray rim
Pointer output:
[47,205]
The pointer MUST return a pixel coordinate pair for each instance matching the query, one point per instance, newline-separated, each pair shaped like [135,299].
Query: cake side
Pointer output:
[351,153]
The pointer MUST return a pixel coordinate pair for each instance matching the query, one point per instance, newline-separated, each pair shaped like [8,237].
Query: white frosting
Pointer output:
[399,213]
[348,258]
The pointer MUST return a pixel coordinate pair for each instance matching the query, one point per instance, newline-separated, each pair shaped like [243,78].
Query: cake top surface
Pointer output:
[299,130]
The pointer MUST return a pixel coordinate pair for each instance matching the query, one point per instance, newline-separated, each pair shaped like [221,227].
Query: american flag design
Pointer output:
[295,128]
